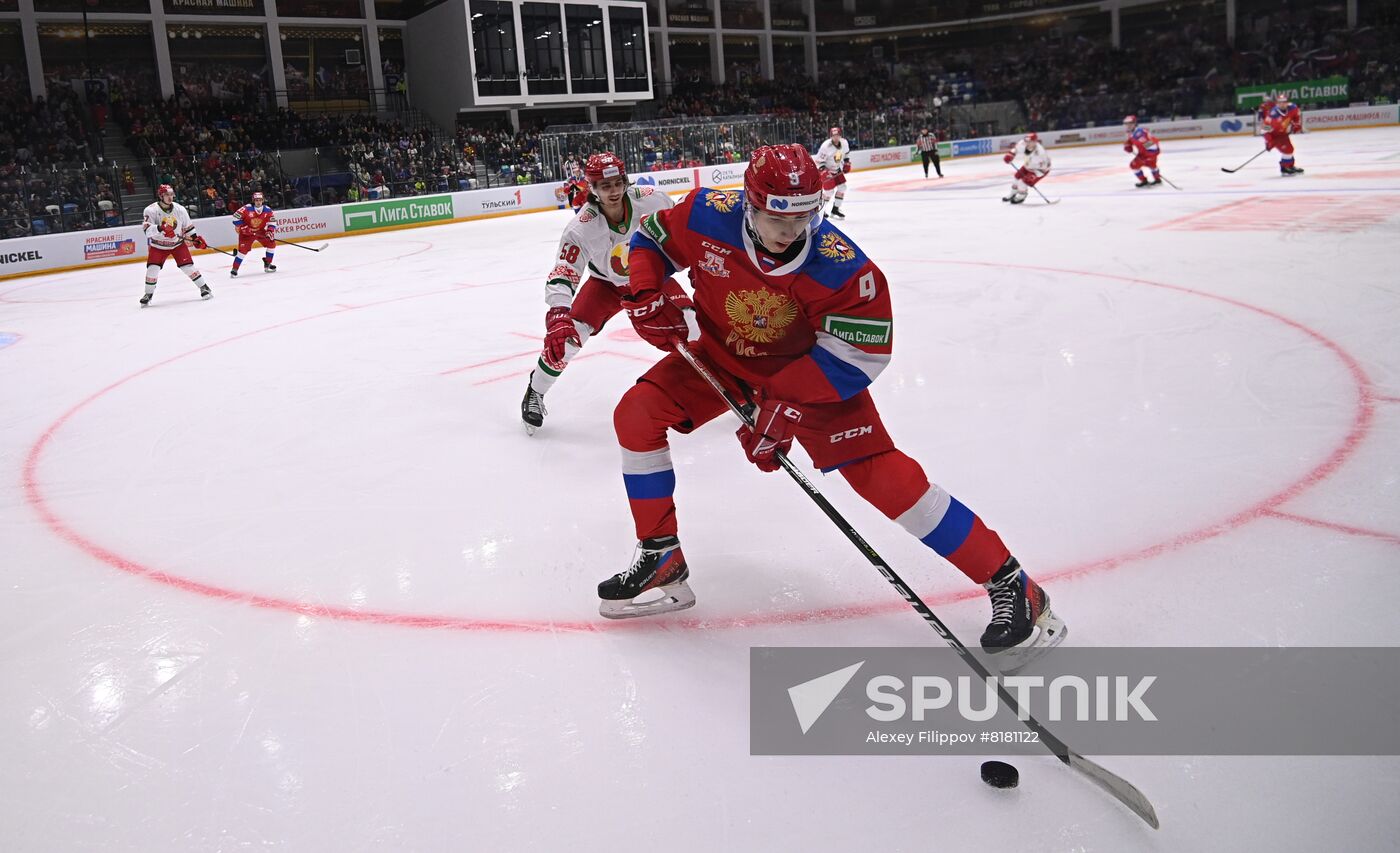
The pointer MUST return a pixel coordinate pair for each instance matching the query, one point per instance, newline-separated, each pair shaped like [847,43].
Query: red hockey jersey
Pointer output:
[817,328]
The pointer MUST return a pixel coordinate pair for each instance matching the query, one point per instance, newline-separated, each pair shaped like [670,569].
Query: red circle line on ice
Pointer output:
[1269,507]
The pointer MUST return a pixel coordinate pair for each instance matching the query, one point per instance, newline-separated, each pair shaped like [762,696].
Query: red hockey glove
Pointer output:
[1128,147]
[199,242]
[1268,141]
[660,316]
[1024,174]
[773,425]
[845,166]
[559,331]
[1009,157]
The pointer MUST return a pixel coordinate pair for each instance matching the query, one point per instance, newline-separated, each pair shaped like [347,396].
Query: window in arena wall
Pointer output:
[543,31]
[690,13]
[9,6]
[741,60]
[122,56]
[219,61]
[588,59]
[629,46]
[789,58]
[391,60]
[14,73]
[394,10]
[138,6]
[324,64]
[493,48]
[788,14]
[741,14]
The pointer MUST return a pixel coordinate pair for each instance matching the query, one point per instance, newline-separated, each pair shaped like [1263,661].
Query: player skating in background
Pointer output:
[255,221]
[576,189]
[795,318]
[594,243]
[834,157]
[1279,118]
[169,234]
[1035,166]
[927,144]
[1145,148]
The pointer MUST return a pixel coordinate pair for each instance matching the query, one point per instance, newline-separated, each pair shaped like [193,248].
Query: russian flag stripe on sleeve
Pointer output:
[847,379]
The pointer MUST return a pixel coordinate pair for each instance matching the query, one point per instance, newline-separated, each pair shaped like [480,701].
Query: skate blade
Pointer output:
[676,596]
[529,429]
[1050,632]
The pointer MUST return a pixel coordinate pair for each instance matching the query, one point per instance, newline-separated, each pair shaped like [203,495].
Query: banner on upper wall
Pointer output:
[1321,91]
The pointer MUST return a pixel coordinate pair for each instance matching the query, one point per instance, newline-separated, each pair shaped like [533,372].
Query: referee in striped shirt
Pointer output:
[928,149]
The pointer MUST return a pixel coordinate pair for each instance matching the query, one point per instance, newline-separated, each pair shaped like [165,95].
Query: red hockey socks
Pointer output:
[896,485]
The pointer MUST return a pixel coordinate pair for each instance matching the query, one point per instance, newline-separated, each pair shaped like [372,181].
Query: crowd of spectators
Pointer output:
[51,172]
[222,137]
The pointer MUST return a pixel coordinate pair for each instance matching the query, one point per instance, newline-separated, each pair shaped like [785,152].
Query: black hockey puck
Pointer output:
[999,774]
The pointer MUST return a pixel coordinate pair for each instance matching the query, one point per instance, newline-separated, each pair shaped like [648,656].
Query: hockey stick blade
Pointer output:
[306,247]
[1121,789]
[1242,165]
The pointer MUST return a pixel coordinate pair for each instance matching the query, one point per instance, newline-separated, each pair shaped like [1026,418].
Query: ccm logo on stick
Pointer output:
[852,433]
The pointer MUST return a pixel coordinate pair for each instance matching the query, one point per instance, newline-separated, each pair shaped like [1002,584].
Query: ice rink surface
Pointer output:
[281,570]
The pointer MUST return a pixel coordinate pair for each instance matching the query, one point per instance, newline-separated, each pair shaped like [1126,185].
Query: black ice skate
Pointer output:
[532,410]
[145,299]
[1017,199]
[659,567]
[1289,171]
[1157,181]
[205,292]
[836,212]
[267,266]
[233,273]
[1023,627]
[1143,183]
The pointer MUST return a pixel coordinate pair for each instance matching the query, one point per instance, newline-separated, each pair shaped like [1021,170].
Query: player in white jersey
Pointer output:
[594,244]
[834,158]
[1035,167]
[169,234]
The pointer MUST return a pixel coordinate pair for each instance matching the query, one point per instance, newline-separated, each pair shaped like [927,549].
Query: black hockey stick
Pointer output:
[1169,182]
[220,251]
[1242,165]
[320,248]
[1121,789]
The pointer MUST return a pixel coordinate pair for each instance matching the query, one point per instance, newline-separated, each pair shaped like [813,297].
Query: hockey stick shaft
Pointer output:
[304,246]
[1169,182]
[1038,192]
[220,251]
[1242,165]
[1122,790]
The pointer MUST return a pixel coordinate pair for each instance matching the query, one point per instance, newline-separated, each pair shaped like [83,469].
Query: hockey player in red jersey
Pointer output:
[1280,119]
[576,189]
[792,315]
[255,222]
[1145,148]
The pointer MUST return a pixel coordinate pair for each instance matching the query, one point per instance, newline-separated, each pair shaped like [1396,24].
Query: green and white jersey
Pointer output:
[592,246]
